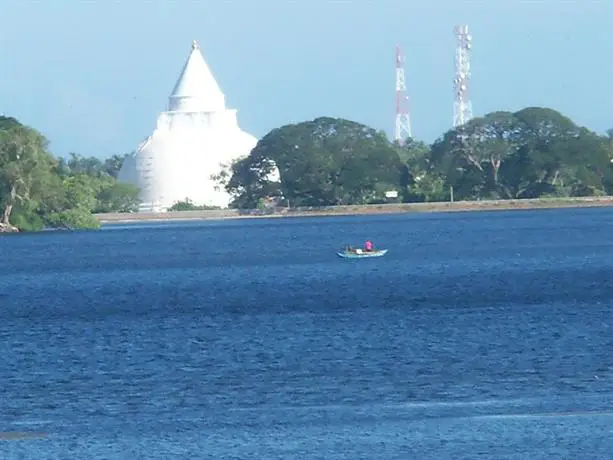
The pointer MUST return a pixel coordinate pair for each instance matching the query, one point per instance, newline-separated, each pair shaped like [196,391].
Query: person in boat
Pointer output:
[368,247]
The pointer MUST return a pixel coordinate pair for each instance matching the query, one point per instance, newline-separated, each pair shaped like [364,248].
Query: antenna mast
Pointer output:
[462,106]
[402,129]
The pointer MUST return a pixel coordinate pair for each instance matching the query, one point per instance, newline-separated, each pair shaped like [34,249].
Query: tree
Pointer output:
[116,196]
[530,153]
[37,190]
[110,195]
[78,164]
[556,157]
[24,165]
[534,152]
[73,203]
[113,165]
[471,155]
[415,154]
[188,205]
[251,181]
[420,181]
[323,162]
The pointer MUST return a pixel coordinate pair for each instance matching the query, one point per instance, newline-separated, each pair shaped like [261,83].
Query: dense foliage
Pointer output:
[188,205]
[37,190]
[535,152]
[322,162]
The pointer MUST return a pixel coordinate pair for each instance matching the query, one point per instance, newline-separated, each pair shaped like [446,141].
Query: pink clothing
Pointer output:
[368,246]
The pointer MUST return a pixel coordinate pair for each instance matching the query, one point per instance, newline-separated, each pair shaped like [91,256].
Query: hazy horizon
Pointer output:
[93,76]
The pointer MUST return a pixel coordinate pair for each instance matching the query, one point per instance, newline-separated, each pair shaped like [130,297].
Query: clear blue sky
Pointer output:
[93,74]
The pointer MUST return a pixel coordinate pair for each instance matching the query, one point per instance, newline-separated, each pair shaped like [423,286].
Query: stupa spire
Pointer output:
[192,143]
[196,89]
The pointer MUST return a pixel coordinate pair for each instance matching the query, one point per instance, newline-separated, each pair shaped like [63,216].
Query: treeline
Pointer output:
[535,152]
[40,191]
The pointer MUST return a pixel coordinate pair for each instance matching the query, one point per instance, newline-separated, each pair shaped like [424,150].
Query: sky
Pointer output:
[92,75]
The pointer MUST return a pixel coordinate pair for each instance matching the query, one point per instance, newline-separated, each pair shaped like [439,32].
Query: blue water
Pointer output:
[479,335]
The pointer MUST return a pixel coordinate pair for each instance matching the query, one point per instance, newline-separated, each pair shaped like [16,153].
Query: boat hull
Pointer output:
[363,254]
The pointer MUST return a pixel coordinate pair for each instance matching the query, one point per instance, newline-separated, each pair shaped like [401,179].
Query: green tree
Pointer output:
[37,190]
[92,166]
[471,156]
[327,161]
[420,182]
[113,165]
[111,195]
[188,205]
[115,196]
[556,157]
[534,152]
[78,164]
[24,166]
[414,153]
[73,203]
[527,154]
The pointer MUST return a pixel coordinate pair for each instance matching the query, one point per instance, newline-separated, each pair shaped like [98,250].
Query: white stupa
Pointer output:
[194,140]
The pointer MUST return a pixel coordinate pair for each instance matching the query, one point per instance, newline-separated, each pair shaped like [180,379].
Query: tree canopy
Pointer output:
[532,153]
[38,190]
[188,205]
[535,152]
[322,162]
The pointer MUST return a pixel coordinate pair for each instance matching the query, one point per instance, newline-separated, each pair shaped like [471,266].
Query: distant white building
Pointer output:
[192,142]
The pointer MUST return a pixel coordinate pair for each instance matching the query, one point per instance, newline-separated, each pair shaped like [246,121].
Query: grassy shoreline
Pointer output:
[392,208]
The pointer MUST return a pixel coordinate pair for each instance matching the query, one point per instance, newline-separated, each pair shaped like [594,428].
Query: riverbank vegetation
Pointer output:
[533,153]
[38,190]
[530,154]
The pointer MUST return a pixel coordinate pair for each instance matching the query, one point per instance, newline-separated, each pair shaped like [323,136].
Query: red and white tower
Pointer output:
[402,129]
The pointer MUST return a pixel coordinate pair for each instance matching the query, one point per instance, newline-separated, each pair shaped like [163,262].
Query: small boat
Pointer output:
[361,254]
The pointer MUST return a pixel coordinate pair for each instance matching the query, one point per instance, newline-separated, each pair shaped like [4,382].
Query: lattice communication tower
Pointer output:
[402,128]
[462,106]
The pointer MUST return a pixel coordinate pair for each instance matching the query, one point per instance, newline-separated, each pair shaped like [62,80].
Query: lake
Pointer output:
[479,335]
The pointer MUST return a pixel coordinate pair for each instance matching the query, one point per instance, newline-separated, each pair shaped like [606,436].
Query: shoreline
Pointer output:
[357,210]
